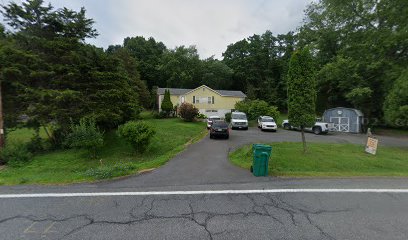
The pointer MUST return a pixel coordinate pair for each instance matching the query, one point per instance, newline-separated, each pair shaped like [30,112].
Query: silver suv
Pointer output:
[239,120]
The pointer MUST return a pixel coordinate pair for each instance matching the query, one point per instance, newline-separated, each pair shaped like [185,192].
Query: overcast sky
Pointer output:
[211,25]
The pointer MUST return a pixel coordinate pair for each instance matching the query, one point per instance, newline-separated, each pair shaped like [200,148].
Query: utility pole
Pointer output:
[2,139]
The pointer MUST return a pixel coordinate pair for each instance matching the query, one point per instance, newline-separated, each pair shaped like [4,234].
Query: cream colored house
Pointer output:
[210,102]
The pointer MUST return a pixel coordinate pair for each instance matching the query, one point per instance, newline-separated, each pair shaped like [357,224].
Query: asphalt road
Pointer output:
[229,216]
[204,166]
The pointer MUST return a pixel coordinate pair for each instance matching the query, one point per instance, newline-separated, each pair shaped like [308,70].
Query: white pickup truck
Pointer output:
[318,128]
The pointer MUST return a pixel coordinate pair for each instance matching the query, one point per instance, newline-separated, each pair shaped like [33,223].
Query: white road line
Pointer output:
[207,192]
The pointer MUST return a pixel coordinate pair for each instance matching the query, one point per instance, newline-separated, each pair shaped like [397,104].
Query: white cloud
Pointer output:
[210,25]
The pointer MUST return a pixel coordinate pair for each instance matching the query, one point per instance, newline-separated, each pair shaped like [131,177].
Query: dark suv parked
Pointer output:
[219,129]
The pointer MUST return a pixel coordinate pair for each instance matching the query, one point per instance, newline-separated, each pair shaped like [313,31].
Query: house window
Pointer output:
[182,99]
[209,100]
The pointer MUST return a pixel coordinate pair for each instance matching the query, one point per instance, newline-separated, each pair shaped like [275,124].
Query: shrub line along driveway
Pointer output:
[206,162]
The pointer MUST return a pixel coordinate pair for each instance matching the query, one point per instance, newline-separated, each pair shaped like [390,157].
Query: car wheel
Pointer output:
[211,136]
[226,137]
[246,128]
[317,130]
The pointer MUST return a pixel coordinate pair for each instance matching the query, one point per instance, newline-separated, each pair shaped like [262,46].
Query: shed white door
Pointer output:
[341,124]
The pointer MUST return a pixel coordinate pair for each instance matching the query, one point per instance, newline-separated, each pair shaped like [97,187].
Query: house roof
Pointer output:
[358,112]
[182,91]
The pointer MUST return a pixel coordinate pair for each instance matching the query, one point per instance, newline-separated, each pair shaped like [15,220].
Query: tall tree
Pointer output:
[260,65]
[52,76]
[301,92]
[130,66]
[396,103]
[216,74]
[358,44]
[147,53]
[180,67]
[166,104]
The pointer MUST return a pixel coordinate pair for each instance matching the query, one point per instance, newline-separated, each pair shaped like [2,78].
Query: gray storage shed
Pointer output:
[344,119]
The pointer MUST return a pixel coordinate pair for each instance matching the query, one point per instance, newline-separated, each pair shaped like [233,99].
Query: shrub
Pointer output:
[188,112]
[85,135]
[256,108]
[38,144]
[137,133]
[228,117]
[201,116]
[243,106]
[160,115]
[15,154]
[273,112]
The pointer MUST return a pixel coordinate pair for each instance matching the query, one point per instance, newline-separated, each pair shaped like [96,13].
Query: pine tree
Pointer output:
[301,92]
[167,105]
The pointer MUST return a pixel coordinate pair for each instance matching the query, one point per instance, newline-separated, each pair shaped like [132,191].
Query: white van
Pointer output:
[239,120]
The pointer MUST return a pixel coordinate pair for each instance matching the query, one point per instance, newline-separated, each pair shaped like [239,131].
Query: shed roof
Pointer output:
[358,112]
[181,91]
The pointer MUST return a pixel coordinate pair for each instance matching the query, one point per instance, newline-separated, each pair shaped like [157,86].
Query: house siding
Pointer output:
[221,105]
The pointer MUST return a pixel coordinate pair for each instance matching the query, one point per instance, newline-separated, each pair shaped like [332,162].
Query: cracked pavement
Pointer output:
[216,216]
[224,216]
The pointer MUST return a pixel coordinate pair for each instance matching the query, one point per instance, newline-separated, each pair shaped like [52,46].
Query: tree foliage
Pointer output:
[301,91]
[51,76]
[260,66]
[167,105]
[257,108]
[396,103]
[358,44]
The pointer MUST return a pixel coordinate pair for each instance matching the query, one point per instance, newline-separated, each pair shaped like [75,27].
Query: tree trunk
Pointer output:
[46,132]
[302,130]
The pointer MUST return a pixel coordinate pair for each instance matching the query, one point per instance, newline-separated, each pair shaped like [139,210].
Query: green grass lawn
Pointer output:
[116,158]
[391,132]
[328,160]
[24,134]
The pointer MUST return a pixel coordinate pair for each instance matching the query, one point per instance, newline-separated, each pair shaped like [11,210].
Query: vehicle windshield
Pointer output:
[239,116]
[220,124]
[268,120]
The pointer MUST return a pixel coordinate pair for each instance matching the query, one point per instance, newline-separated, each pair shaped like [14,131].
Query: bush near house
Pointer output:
[138,134]
[188,112]
[256,108]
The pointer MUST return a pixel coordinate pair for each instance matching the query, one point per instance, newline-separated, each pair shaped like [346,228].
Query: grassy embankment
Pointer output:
[116,158]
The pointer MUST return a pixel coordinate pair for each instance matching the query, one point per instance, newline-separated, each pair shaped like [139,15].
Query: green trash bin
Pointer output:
[261,155]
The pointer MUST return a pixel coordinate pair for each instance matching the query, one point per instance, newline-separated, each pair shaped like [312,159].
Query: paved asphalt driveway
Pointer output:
[206,162]
[377,214]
